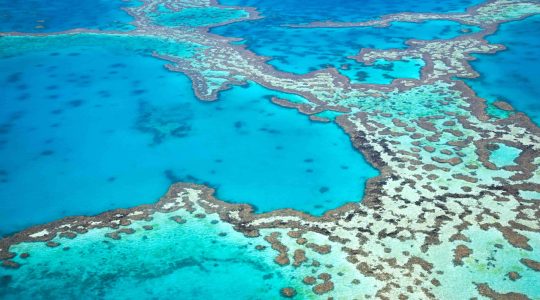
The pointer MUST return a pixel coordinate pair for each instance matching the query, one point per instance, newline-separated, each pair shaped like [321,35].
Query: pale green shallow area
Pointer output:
[189,259]
[331,115]
[202,258]
[491,260]
[530,195]
[504,155]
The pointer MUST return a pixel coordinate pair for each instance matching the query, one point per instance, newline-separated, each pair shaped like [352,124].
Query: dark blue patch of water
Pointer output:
[59,15]
[512,75]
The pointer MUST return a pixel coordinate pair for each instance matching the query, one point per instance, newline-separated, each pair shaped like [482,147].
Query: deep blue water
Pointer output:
[301,11]
[87,130]
[59,15]
[512,75]
[301,50]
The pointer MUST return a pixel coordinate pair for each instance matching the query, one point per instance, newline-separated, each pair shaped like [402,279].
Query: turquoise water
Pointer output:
[86,130]
[194,260]
[504,155]
[48,16]
[512,75]
[302,50]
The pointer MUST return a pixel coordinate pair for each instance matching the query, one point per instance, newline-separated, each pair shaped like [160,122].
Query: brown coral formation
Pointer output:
[283,257]
[288,292]
[535,265]
[487,291]
[299,257]
[461,252]
[326,286]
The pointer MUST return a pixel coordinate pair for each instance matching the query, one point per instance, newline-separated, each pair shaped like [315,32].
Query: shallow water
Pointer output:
[86,130]
[198,260]
[504,155]
[504,76]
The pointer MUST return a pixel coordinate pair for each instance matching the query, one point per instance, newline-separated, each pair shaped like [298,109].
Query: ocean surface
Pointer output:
[90,129]
[504,76]
[300,11]
[302,50]
[86,128]
[49,16]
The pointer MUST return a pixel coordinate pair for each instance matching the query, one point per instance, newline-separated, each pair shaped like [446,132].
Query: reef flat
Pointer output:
[449,216]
